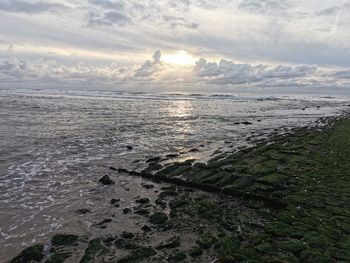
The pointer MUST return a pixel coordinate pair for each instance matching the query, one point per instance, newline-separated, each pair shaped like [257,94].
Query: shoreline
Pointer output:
[260,204]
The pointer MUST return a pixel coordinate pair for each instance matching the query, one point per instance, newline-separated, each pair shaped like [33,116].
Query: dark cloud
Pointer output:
[106,18]
[175,21]
[29,7]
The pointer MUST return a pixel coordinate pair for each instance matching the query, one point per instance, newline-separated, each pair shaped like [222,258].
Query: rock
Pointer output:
[138,255]
[294,245]
[129,147]
[246,123]
[313,255]
[146,228]
[83,211]
[122,170]
[64,240]
[195,251]
[143,200]
[158,218]
[127,235]
[171,243]
[126,210]
[113,168]
[172,155]
[237,123]
[167,193]
[103,222]
[30,254]
[94,248]
[177,256]
[148,186]
[141,211]
[154,159]
[106,180]
[114,201]
[193,150]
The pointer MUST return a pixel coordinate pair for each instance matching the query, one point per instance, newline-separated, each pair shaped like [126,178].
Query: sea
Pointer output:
[56,144]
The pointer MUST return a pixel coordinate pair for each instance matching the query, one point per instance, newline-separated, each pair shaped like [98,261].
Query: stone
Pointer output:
[154,159]
[126,210]
[177,256]
[172,155]
[195,251]
[30,254]
[143,200]
[293,245]
[114,201]
[193,150]
[106,180]
[138,255]
[170,243]
[83,211]
[127,235]
[246,123]
[94,248]
[148,186]
[64,240]
[158,218]
[146,228]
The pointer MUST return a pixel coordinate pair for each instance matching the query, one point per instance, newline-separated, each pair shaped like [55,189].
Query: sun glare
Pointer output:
[182,58]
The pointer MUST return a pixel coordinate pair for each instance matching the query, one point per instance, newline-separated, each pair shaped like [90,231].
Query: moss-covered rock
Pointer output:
[292,245]
[195,251]
[138,255]
[177,256]
[170,243]
[95,248]
[30,254]
[158,218]
[64,240]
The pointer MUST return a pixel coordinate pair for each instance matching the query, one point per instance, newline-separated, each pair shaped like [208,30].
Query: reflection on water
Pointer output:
[53,148]
[182,117]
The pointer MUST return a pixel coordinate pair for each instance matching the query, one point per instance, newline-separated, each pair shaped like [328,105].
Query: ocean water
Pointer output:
[55,145]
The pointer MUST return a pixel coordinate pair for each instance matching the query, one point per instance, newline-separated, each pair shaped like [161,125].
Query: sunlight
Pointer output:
[182,58]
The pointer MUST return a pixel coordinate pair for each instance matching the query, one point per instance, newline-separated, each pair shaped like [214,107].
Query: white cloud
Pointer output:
[156,74]
[29,7]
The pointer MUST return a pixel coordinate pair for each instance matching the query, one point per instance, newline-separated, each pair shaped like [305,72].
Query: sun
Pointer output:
[181,58]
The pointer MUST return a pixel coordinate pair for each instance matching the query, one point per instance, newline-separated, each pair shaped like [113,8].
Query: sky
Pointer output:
[176,45]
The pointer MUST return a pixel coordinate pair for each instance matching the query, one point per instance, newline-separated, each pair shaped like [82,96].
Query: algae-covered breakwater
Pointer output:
[286,200]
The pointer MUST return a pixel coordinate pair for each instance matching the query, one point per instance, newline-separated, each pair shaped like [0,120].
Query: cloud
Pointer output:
[175,21]
[109,18]
[274,7]
[228,72]
[154,73]
[29,7]
[333,10]
[149,68]
[107,4]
